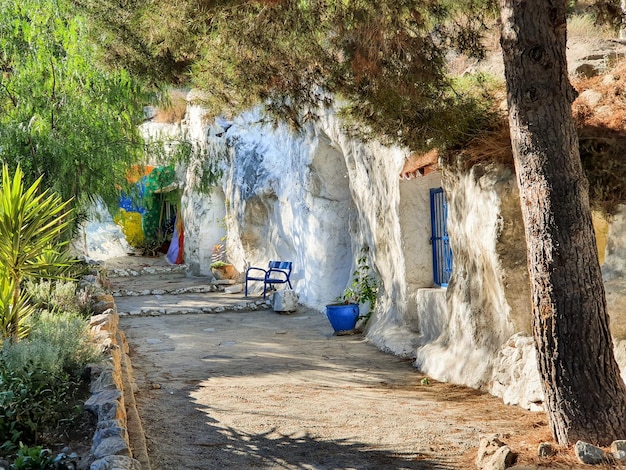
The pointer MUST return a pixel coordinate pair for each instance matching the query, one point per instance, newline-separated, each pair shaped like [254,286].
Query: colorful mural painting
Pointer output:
[149,215]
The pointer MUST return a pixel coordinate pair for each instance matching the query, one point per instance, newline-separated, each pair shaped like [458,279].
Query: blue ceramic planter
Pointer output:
[343,317]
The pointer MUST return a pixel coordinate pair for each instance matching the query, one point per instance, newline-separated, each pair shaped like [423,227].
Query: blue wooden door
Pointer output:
[442,253]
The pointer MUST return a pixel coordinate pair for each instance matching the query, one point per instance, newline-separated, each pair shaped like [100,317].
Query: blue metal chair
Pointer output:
[278,272]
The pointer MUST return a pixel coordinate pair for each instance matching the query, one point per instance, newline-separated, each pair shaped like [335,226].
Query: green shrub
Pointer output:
[57,342]
[38,458]
[58,296]
[41,377]
[218,264]
[32,402]
[40,293]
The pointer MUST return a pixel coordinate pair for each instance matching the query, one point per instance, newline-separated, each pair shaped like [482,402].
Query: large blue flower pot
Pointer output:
[342,317]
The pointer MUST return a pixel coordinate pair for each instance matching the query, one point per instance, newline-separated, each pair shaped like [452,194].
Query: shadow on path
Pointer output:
[215,446]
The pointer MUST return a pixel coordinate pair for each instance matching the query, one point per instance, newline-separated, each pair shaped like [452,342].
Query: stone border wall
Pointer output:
[112,399]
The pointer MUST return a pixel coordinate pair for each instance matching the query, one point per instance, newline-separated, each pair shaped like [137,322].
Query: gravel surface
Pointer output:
[244,390]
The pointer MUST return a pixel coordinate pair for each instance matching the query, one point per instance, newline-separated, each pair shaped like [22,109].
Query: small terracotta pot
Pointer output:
[225,272]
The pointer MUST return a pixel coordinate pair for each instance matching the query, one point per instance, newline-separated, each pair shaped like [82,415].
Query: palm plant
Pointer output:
[13,316]
[30,224]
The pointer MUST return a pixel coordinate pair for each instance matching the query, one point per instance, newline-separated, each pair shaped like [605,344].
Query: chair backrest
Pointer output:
[284,265]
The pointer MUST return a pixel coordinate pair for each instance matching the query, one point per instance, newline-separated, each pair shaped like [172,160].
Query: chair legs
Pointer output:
[245,293]
[267,286]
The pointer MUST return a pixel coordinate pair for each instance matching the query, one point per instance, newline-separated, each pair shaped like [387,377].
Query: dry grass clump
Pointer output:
[493,146]
[602,99]
[583,26]
[600,116]
[174,111]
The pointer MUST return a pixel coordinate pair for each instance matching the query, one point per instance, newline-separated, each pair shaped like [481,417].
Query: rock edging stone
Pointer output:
[592,455]
[112,399]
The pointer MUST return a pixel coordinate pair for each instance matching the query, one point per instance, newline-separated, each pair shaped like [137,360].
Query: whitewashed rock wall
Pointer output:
[289,198]
[317,197]
[204,215]
[462,343]
[515,376]
[373,172]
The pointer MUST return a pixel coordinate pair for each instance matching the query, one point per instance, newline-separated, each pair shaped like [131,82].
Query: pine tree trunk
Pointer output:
[585,396]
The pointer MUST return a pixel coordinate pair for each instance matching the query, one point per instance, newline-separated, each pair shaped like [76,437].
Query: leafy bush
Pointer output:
[364,287]
[218,264]
[58,296]
[32,402]
[58,342]
[38,458]
[40,378]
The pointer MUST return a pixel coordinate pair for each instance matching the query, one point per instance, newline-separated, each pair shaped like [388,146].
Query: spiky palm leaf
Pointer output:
[14,317]
[30,223]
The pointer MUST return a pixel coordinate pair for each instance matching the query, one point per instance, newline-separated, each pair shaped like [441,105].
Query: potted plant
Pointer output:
[358,299]
[223,270]
[219,267]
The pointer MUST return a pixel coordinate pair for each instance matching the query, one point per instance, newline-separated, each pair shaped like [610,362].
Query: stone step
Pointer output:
[178,291]
[214,286]
[240,306]
[146,270]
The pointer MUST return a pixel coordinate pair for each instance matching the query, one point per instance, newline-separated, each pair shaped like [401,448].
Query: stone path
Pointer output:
[151,286]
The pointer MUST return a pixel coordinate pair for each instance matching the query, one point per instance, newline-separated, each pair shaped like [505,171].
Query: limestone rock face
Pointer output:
[318,196]
[101,238]
[290,200]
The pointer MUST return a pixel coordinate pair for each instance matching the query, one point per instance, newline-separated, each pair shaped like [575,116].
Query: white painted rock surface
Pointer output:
[284,301]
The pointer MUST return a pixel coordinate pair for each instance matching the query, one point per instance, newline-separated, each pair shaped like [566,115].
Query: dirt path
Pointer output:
[262,390]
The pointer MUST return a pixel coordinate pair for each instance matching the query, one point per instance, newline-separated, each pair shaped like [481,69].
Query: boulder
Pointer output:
[589,454]
[284,301]
[234,289]
[545,449]
[618,449]
[116,462]
[493,454]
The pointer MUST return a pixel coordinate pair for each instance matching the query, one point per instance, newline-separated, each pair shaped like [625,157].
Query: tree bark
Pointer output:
[585,395]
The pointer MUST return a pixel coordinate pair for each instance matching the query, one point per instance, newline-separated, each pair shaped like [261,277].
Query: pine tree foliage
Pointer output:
[385,58]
